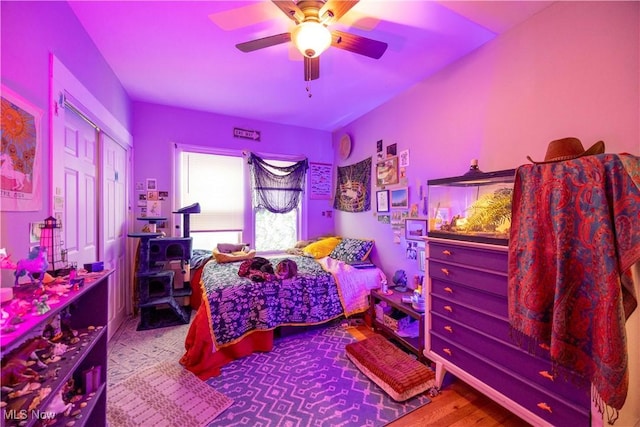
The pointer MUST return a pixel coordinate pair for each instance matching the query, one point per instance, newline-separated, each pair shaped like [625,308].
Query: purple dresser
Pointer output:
[468,335]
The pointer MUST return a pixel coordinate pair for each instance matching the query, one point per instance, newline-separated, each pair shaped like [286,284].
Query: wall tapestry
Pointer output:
[320,180]
[353,187]
[20,187]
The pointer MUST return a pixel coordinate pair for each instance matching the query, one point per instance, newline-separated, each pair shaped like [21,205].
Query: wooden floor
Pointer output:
[457,405]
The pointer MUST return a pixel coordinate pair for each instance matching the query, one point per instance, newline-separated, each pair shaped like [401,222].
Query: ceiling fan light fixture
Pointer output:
[311,38]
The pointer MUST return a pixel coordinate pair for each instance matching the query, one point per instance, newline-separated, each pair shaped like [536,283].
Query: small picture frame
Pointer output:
[387,172]
[392,150]
[151,184]
[382,201]
[400,198]
[415,229]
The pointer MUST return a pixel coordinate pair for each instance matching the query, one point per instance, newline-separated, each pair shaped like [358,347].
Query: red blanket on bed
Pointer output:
[575,234]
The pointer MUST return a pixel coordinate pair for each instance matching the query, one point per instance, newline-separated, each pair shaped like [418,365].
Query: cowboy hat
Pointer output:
[568,149]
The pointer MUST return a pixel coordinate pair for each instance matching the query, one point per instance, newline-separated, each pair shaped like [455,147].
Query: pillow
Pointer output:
[350,250]
[233,256]
[322,247]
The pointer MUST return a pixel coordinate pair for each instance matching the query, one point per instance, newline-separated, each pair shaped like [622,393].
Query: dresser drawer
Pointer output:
[514,359]
[474,257]
[534,398]
[472,297]
[481,280]
[478,317]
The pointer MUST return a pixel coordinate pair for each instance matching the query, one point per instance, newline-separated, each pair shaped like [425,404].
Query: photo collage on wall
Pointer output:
[393,204]
[153,203]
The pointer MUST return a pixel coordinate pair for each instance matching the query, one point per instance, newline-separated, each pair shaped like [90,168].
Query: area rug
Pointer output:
[164,394]
[306,380]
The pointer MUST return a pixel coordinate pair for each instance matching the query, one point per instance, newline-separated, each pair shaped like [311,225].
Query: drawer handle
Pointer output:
[546,375]
[446,252]
[445,271]
[447,350]
[448,328]
[448,289]
[448,308]
[545,407]
[544,346]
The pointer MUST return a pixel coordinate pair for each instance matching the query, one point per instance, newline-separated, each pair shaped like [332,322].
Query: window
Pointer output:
[217,183]
[274,231]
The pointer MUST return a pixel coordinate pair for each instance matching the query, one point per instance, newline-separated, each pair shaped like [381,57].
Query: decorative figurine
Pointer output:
[5,260]
[36,263]
[41,305]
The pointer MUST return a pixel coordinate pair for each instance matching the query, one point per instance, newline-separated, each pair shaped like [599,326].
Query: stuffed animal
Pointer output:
[257,269]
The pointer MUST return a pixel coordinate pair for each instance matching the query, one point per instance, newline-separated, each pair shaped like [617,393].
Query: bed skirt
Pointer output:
[200,357]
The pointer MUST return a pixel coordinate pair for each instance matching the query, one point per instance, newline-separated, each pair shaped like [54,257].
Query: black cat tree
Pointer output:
[158,288]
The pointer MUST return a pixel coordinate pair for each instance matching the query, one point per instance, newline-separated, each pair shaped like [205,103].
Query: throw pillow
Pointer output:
[322,247]
[351,250]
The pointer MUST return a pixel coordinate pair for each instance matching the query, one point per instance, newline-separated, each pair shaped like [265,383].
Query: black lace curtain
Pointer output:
[277,188]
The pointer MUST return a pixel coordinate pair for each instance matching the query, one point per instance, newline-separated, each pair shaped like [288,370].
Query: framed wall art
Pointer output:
[382,201]
[320,180]
[387,172]
[415,229]
[20,169]
[400,198]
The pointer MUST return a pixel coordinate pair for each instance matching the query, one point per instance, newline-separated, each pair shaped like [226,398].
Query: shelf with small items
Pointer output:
[54,353]
[398,320]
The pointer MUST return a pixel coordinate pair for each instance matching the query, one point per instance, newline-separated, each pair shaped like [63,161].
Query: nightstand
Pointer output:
[400,311]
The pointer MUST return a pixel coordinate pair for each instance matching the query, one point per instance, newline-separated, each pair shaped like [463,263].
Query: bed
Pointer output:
[237,316]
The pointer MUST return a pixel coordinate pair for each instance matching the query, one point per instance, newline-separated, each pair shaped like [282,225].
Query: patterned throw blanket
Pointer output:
[575,234]
[239,306]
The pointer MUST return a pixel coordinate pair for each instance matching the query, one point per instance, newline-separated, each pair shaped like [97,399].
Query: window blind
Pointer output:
[217,183]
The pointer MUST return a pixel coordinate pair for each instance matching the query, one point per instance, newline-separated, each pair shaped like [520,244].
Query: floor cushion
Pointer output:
[398,374]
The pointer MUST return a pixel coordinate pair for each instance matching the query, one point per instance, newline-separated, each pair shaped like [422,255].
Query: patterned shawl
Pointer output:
[575,234]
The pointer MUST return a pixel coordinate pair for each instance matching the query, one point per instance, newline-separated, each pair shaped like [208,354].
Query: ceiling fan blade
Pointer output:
[264,42]
[311,68]
[358,44]
[290,9]
[336,9]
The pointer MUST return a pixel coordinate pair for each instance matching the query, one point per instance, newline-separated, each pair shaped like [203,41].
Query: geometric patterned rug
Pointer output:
[306,380]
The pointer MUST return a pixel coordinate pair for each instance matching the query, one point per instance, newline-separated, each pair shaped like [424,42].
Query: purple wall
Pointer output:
[31,31]
[571,70]
[155,127]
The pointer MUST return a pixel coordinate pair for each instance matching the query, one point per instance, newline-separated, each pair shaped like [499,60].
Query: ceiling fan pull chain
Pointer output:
[309,94]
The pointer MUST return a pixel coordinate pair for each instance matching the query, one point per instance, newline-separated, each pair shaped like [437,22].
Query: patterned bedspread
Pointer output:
[238,306]
[575,234]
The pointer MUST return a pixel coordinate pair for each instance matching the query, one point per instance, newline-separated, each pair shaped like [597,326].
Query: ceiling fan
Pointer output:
[311,35]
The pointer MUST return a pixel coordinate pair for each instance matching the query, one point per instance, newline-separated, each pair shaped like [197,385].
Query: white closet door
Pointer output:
[114,233]
[80,190]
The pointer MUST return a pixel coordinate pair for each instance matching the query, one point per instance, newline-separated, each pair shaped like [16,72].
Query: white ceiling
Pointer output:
[182,53]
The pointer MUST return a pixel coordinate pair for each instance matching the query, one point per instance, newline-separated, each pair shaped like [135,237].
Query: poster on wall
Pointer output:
[353,187]
[320,181]
[20,152]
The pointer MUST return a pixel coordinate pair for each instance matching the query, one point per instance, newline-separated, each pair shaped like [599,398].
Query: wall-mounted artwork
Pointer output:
[382,201]
[319,181]
[392,150]
[387,172]
[400,198]
[415,229]
[20,186]
[353,187]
